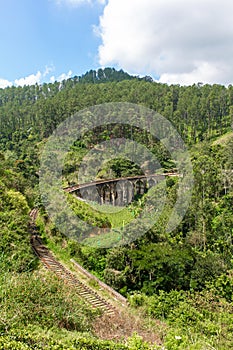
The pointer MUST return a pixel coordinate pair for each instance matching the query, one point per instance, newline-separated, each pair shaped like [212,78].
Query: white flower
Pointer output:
[177,337]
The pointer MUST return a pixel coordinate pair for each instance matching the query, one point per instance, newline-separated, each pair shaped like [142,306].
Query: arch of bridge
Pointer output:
[117,191]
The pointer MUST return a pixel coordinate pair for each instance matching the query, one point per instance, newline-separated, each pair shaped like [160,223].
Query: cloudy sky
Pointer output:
[174,41]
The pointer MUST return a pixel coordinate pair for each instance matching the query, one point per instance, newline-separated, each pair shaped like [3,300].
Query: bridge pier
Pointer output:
[117,193]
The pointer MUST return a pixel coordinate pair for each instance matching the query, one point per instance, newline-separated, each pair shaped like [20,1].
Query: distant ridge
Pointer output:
[108,74]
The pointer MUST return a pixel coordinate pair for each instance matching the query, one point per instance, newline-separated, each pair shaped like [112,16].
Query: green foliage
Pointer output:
[38,339]
[86,213]
[223,286]
[29,114]
[208,267]
[194,320]
[119,168]
[159,305]
[136,343]
[41,300]
[15,251]
[94,259]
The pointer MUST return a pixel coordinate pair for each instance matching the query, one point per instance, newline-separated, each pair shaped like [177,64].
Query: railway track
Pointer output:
[90,296]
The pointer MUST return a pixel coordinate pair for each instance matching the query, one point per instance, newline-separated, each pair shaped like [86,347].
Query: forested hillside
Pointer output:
[199,112]
[184,278]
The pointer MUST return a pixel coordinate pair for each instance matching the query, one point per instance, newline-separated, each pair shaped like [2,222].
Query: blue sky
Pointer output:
[48,37]
[174,41]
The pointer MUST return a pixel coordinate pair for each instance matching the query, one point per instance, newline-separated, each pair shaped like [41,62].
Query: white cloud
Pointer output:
[203,72]
[4,83]
[65,76]
[33,79]
[61,77]
[178,41]
[48,69]
[38,78]
[29,80]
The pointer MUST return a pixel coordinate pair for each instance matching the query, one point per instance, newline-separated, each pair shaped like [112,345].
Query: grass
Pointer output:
[103,240]
[223,139]
[118,216]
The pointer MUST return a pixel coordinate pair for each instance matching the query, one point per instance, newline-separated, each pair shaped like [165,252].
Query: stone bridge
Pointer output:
[119,191]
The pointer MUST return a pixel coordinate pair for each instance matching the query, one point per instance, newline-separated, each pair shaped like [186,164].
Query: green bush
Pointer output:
[38,339]
[161,305]
[41,300]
